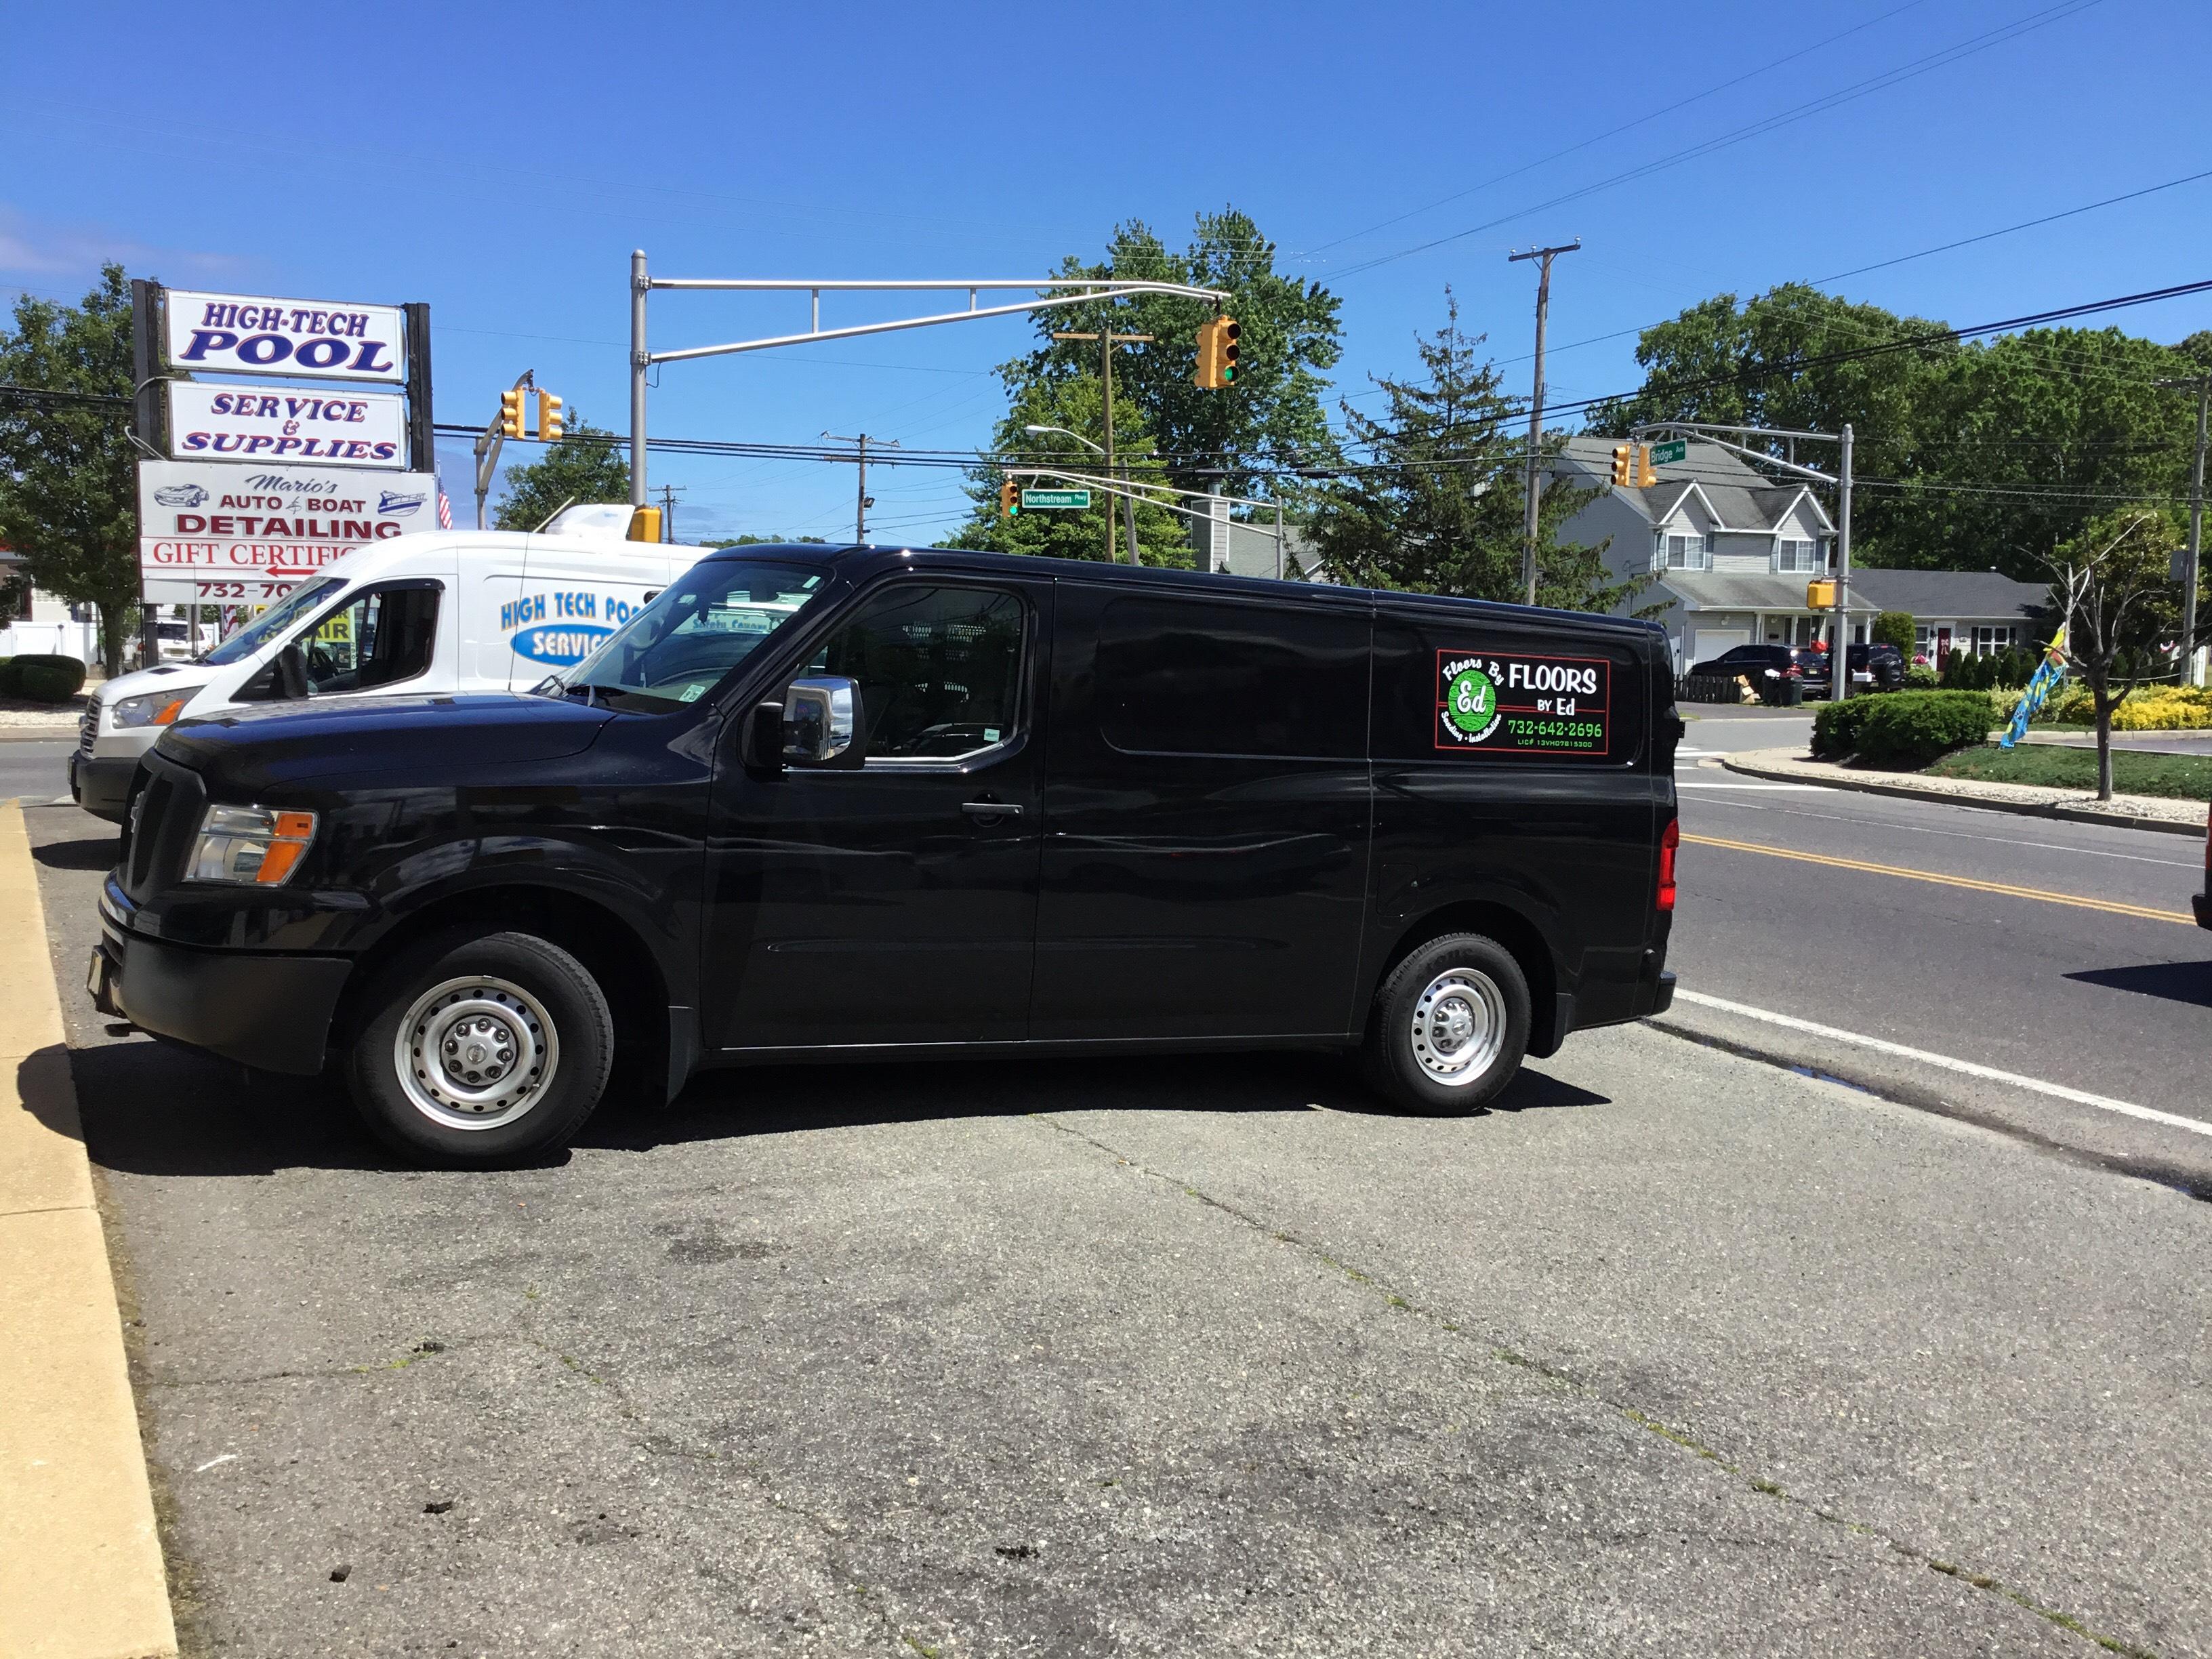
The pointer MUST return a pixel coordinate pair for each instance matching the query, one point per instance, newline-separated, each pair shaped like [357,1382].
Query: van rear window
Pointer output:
[1194,677]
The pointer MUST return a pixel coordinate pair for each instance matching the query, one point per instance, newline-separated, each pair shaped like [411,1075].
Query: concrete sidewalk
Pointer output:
[2158,812]
[81,1571]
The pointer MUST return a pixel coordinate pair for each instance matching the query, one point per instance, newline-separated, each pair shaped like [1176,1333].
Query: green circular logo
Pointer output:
[1471,703]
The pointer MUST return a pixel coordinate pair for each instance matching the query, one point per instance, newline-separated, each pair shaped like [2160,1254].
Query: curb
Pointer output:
[80,1570]
[1757,763]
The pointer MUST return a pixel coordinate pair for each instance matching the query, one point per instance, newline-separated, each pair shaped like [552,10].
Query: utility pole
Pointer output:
[1536,408]
[1107,341]
[862,499]
[640,362]
[2192,560]
[1839,651]
[668,494]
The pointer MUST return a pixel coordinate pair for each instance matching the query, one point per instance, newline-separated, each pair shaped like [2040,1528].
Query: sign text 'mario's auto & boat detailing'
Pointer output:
[1516,703]
[322,428]
[212,533]
[246,334]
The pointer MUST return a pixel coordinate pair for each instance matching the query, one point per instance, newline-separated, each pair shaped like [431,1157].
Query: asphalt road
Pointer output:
[33,770]
[1677,1351]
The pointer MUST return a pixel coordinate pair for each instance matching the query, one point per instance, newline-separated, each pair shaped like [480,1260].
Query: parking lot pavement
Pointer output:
[1676,1350]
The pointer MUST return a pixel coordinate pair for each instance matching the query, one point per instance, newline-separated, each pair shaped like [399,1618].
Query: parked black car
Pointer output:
[865,803]
[1873,668]
[1753,662]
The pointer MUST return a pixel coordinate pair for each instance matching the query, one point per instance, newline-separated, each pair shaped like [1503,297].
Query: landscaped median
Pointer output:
[1960,787]
[81,1572]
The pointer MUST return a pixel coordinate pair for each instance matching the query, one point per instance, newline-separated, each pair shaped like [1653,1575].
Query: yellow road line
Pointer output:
[2006,887]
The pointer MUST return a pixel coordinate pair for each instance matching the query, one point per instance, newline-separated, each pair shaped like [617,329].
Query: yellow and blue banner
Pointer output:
[2048,675]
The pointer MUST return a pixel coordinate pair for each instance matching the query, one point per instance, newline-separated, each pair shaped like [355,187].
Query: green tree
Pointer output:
[1075,404]
[2019,443]
[1894,627]
[1270,420]
[1437,506]
[586,465]
[2114,588]
[68,487]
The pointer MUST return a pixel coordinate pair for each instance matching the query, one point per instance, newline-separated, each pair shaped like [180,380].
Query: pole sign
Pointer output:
[1675,449]
[1512,702]
[1077,499]
[294,425]
[213,532]
[244,334]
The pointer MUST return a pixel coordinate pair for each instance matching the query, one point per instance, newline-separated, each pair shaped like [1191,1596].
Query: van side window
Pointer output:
[383,637]
[1194,677]
[938,669]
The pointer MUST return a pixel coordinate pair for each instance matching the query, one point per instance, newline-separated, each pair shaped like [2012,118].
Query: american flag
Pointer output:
[445,510]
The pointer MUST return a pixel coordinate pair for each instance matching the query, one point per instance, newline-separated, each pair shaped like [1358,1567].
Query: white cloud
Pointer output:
[34,247]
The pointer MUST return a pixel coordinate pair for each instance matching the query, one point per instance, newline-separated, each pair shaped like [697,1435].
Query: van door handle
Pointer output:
[991,808]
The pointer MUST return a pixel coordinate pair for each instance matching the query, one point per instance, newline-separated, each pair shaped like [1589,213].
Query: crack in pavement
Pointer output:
[1570,1383]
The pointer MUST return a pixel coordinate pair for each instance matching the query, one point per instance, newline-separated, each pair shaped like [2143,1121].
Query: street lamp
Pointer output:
[1039,431]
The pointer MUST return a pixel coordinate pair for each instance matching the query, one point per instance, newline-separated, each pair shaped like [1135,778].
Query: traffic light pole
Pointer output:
[1058,292]
[1839,651]
[2193,560]
[1536,410]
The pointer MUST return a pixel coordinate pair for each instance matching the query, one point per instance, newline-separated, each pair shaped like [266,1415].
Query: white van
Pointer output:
[445,611]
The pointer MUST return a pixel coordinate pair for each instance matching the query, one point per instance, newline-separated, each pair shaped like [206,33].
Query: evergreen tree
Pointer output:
[1436,504]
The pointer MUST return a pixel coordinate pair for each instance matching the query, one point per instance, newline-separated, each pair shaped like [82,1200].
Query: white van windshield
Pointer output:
[673,652]
[274,621]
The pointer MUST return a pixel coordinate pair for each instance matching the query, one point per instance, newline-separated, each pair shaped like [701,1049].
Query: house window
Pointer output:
[1678,552]
[1792,555]
[1989,639]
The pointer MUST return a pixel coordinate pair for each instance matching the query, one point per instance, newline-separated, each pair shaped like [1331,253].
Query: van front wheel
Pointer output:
[481,1049]
[1450,1026]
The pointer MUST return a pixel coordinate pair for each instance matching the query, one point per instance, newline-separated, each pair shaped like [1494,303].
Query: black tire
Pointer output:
[1411,1066]
[509,998]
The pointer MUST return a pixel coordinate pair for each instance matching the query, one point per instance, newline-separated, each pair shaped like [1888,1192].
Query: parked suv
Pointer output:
[1873,668]
[865,803]
[1755,662]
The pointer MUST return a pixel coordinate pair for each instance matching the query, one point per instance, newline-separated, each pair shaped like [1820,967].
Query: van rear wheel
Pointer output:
[481,1049]
[1450,1026]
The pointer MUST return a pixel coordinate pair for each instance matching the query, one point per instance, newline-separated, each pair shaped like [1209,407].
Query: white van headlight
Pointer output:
[250,846]
[160,709]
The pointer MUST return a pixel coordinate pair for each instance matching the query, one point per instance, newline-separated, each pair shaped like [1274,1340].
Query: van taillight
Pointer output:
[1671,840]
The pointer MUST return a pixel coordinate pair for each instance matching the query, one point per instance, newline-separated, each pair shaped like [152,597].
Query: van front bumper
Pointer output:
[100,783]
[270,1012]
[2202,903]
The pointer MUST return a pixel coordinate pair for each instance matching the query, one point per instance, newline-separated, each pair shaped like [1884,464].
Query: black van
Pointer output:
[871,803]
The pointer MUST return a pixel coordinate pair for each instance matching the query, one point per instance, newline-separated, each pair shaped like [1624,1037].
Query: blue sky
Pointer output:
[500,162]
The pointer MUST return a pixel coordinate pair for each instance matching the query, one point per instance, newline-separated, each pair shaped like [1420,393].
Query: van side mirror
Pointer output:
[291,666]
[822,723]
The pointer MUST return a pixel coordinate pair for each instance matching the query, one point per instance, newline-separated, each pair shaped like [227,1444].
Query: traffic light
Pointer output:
[510,413]
[1645,475]
[549,417]
[1624,465]
[1217,352]
[1010,499]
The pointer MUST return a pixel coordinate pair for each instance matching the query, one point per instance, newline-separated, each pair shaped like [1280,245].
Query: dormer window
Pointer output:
[1792,555]
[1675,551]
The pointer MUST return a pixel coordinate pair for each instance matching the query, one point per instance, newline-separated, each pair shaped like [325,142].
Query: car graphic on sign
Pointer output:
[182,494]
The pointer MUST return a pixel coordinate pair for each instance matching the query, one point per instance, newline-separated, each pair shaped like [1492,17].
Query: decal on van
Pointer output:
[1512,702]
[559,643]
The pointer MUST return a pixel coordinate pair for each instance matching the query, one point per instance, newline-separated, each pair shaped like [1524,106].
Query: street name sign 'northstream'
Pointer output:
[1077,499]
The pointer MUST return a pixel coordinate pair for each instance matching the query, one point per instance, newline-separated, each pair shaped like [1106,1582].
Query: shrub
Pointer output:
[1894,627]
[2164,708]
[46,679]
[1907,729]
[7,677]
[1921,677]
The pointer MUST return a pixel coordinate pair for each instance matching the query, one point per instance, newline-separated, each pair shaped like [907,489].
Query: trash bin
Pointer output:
[1783,693]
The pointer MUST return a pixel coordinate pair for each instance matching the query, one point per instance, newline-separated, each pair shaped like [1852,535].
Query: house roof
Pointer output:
[1951,594]
[1704,590]
[1737,493]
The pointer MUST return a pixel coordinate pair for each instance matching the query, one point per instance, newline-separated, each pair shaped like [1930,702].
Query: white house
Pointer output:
[42,625]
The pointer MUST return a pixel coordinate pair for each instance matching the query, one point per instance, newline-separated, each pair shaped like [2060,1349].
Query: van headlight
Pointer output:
[250,846]
[160,709]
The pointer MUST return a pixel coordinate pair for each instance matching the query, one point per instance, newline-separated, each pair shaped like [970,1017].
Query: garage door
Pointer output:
[1706,643]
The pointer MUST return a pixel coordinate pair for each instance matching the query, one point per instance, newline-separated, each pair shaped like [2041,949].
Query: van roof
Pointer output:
[861,561]
[399,550]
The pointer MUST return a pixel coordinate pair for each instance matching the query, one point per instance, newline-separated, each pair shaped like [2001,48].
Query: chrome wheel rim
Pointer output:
[476,1053]
[1459,1026]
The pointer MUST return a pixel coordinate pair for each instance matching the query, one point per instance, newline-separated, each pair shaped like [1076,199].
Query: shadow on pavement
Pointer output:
[98,854]
[153,1108]
[2176,982]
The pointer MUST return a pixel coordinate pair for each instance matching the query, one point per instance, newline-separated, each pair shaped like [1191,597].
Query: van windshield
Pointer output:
[274,621]
[673,652]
